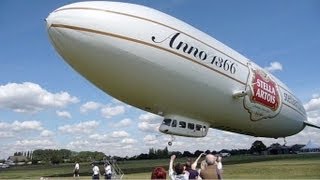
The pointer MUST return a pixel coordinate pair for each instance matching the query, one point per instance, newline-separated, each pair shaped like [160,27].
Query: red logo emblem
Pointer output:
[265,91]
[263,100]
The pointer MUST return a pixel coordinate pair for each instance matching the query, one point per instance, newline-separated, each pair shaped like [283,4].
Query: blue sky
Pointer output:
[285,33]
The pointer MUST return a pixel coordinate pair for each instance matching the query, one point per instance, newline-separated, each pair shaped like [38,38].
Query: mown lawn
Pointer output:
[235,167]
[275,169]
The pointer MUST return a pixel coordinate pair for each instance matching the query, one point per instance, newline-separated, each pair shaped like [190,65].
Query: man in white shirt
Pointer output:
[96,172]
[108,172]
[179,172]
[76,170]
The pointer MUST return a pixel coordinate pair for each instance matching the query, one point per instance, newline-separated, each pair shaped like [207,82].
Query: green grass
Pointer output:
[243,167]
[275,169]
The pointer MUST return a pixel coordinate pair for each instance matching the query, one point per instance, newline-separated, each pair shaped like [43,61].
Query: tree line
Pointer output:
[56,156]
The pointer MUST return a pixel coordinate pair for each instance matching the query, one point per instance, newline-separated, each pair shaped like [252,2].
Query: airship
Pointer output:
[159,64]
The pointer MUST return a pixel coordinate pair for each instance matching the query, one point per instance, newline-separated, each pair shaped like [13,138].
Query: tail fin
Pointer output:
[307,123]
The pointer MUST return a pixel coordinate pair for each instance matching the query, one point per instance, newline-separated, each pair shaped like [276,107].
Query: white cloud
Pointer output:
[4,134]
[274,66]
[151,118]
[313,104]
[64,114]
[89,106]
[46,133]
[4,125]
[30,97]
[26,125]
[119,134]
[21,126]
[128,141]
[99,137]
[109,111]
[150,140]
[148,127]
[79,145]
[313,109]
[31,144]
[150,122]
[81,128]
[123,123]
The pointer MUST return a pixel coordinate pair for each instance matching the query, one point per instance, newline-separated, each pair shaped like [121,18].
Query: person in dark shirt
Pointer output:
[193,174]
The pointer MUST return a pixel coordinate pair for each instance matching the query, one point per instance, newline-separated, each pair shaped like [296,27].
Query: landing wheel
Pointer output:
[172,139]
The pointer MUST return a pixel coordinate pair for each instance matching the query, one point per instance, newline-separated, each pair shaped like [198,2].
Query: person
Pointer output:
[193,174]
[203,166]
[179,170]
[210,172]
[96,172]
[219,167]
[158,173]
[107,171]
[76,170]
[195,163]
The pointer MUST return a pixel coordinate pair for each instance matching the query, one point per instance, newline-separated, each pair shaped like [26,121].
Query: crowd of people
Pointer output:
[95,171]
[210,168]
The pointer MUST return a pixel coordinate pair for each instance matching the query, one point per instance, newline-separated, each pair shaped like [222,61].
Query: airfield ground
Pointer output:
[295,166]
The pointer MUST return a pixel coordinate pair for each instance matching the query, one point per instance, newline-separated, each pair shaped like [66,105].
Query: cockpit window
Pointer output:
[166,122]
[198,127]
[204,129]
[191,126]
[182,124]
[174,123]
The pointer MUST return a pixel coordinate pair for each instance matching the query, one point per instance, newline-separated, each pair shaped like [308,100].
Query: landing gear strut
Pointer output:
[171,140]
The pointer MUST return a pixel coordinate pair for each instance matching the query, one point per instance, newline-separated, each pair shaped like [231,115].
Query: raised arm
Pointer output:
[194,164]
[173,157]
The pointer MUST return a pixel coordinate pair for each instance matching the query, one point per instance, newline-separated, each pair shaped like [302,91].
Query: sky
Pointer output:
[44,103]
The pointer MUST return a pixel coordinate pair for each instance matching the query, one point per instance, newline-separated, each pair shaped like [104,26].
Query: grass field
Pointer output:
[235,167]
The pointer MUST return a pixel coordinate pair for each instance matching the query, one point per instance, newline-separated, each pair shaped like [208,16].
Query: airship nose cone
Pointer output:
[48,21]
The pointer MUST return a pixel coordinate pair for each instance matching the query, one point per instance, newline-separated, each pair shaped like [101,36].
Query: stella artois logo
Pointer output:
[263,99]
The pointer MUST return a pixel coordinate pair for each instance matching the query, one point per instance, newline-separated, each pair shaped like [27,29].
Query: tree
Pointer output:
[187,154]
[177,153]
[152,154]
[143,156]
[257,147]
[41,155]
[55,156]
[197,153]
[65,153]
[208,152]
[165,152]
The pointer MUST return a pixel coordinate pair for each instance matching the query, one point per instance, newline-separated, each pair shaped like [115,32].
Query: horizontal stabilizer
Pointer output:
[311,124]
